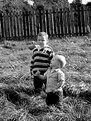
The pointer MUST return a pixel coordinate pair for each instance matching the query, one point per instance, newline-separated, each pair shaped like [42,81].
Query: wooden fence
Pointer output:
[56,23]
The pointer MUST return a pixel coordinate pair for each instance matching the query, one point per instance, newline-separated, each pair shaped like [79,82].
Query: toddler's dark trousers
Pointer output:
[53,98]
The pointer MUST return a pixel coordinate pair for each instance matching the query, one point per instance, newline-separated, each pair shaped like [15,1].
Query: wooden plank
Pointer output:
[17,26]
[51,23]
[61,20]
[54,19]
[47,22]
[5,27]
[83,20]
[44,21]
[27,25]
[34,24]
[78,32]
[49,19]
[2,27]
[14,25]
[69,22]
[40,18]
[10,25]
[64,21]
[58,23]
[21,24]
[24,25]
[86,20]
[76,22]
[30,27]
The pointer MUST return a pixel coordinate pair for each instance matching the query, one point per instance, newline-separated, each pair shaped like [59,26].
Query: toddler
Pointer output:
[55,80]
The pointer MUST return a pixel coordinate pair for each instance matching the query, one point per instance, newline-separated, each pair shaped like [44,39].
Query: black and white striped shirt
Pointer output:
[41,59]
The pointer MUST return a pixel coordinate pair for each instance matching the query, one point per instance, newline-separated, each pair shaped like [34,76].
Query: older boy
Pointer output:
[41,58]
[55,80]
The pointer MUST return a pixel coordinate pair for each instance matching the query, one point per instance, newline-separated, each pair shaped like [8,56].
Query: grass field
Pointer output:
[15,60]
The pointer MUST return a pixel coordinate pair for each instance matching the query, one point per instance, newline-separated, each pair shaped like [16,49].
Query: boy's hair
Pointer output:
[44,34]
[61,59]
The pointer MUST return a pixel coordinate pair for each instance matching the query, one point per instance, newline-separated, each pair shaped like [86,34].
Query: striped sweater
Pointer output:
[41,59]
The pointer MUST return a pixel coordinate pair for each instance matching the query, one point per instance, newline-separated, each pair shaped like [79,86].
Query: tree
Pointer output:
[15,5]
[77,1]
[88,4]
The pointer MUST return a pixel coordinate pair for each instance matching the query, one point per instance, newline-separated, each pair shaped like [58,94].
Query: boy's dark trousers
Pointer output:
[38,85]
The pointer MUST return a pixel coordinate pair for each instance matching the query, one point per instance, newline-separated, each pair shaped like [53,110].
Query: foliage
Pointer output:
[15,6]
[88,4]
[77,1]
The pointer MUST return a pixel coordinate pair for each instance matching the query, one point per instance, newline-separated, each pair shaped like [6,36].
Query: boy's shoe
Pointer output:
[37,92]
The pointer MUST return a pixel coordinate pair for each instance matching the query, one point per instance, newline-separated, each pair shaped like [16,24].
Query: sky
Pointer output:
[83,1]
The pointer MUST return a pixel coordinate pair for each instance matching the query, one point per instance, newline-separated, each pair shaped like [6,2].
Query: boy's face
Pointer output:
[54,62]
[41,41]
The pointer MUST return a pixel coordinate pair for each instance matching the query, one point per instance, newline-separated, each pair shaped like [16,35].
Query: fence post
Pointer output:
[54,19]
[76,23]
[68,21]
[27,23]
[47,22]
[58,22]
[17,24]
[61,22]
[51,23]
[1,25]
[79,21]
[30,24]
[82,18]
[24,26]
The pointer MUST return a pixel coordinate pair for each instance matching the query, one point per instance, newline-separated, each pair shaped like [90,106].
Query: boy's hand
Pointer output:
[37,73]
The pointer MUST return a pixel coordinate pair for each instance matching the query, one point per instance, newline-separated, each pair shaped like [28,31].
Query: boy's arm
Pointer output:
[32,60]
[31,65]
[50,51]
[42,77]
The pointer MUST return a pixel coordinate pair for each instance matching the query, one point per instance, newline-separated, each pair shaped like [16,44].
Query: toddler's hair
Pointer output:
[61,59]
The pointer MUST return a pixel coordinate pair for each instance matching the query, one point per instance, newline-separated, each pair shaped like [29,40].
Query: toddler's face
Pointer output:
[54,62]
[41,41]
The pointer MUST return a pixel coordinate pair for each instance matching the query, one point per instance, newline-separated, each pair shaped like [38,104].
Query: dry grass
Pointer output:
[15,60]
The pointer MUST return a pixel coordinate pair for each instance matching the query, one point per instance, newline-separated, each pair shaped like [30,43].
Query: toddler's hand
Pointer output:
[59,89]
